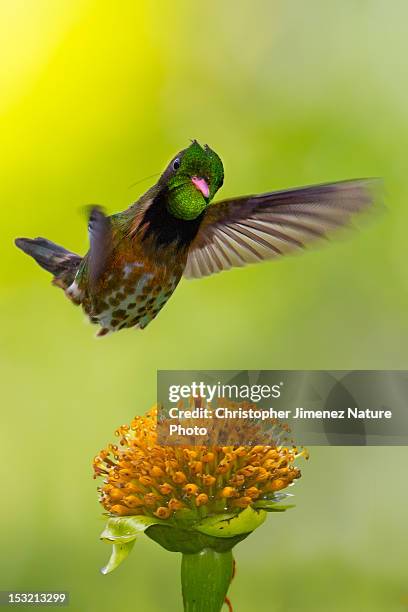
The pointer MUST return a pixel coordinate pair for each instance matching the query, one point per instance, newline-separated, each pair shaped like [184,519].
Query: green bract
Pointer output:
[218,532]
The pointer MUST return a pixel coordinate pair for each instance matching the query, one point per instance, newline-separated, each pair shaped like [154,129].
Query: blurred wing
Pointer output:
[100,240]
[255,228]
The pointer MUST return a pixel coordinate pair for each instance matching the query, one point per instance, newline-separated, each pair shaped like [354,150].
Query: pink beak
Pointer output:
[201,185]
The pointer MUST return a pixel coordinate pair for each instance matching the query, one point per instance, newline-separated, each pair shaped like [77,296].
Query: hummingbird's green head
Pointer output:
[192,179]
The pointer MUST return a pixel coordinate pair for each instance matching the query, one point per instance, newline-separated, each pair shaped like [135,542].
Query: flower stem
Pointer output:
[205,578]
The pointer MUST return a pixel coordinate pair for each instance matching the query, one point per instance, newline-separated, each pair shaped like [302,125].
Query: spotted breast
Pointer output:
[135,261]
[128,295]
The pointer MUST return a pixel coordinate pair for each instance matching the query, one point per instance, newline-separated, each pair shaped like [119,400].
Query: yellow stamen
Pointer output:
[208,480]
[228,492]
[201,500]
[253,492]
[133,502]
[142,477]
[175,504]
[242,502]
[116,494]
[191,489]
[150,499]
[162,512]
[120,510]
[278,484]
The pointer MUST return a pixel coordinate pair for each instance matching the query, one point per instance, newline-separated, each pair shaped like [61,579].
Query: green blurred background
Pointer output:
[96,95]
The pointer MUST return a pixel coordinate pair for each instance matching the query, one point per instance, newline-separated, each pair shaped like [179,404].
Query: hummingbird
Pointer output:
[137,257]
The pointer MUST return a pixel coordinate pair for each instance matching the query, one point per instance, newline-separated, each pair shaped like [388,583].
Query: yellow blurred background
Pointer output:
[96,95]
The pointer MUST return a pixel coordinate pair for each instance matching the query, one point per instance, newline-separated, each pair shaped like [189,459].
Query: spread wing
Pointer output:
[254,228]
[100,241]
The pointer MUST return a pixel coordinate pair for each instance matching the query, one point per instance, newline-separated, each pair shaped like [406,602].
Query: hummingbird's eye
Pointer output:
[176,164]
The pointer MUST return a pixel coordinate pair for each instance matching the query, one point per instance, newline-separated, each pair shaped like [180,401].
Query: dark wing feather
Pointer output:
[255,228]
[100,240]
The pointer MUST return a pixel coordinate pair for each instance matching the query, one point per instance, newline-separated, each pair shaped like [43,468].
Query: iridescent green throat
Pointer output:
[185,202]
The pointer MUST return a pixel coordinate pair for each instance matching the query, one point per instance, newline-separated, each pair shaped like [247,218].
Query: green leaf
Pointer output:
[276,497]
[226,526]
[126,528]
[272,506]
[123,531]
[119,554]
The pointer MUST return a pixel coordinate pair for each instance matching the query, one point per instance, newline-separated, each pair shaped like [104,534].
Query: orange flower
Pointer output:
[144,478]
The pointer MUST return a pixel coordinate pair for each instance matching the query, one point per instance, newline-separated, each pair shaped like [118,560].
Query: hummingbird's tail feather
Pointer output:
[61,263]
